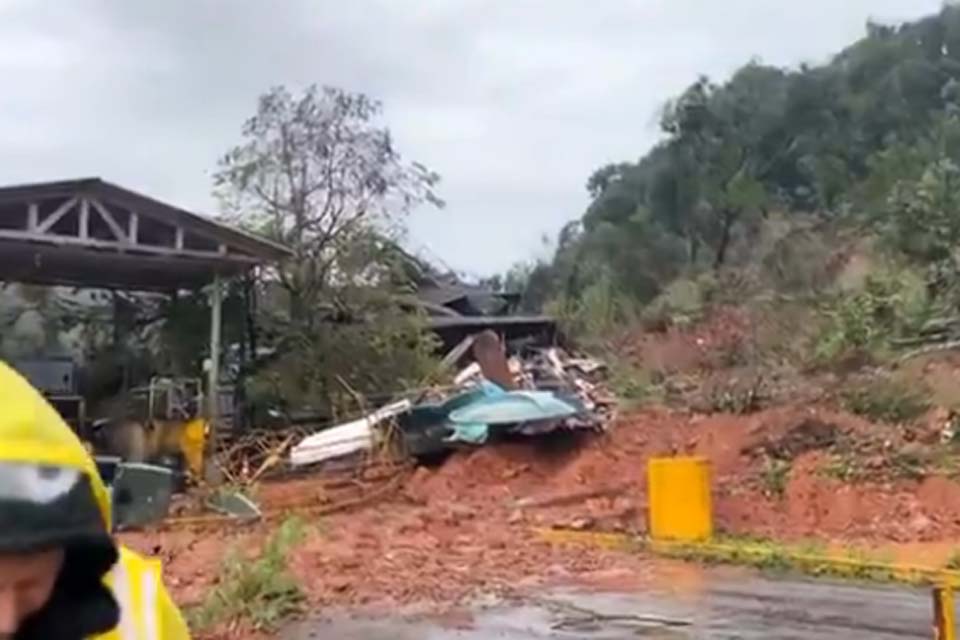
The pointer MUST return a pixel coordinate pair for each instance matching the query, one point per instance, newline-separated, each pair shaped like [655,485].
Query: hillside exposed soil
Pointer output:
[809,502]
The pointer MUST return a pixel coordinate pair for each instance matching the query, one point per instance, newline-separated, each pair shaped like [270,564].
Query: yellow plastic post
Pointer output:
[679,502]
[944,614]
[192,445]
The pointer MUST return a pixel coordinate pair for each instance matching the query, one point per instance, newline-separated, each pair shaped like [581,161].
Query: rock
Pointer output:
[463,512]
[340,584]
[920,523]
[582,524]
[516,517]
[915,450]
[510,474]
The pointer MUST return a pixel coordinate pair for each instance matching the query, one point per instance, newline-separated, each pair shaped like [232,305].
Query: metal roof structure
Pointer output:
[452,330]
[92,233]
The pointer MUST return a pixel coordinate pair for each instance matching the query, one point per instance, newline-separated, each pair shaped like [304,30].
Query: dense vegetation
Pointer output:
[868,143]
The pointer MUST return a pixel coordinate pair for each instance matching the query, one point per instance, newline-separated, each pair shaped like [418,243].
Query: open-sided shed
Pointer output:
[91,233]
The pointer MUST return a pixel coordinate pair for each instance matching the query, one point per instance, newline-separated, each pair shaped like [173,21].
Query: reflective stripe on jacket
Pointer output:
[145,610]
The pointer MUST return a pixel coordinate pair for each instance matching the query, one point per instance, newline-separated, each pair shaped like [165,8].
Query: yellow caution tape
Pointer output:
[759,555]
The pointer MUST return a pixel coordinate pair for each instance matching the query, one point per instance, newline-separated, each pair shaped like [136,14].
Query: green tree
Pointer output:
[314,169]
[317,172]
[862,138]
[727,133]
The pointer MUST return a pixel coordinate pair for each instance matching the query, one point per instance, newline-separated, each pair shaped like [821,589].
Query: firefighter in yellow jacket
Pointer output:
[62,576]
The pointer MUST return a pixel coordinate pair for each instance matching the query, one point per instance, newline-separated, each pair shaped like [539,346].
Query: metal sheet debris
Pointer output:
[140,494]
[346,439]
[235,505]
[514,407]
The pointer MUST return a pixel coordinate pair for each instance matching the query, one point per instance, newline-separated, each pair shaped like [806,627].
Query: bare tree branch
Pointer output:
[316,169]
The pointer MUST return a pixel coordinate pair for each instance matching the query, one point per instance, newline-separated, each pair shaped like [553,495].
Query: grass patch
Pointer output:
[843,467]
[775,476]
[909,465]
[632,384]
[811,558]
[737,398]
[887,400]
[261,591]
[764,555]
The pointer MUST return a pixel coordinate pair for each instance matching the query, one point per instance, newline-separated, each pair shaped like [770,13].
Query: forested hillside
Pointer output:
[867,144]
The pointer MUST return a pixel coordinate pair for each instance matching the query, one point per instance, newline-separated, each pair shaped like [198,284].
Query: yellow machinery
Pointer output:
[161,420]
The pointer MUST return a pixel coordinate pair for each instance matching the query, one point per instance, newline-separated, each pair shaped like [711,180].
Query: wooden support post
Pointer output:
[944,614]
[133,232]
[213,373]
[84,218]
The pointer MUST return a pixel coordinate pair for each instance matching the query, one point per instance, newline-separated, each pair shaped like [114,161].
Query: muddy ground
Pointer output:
[466,527]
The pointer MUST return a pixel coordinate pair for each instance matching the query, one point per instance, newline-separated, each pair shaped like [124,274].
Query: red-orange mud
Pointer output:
[463,529]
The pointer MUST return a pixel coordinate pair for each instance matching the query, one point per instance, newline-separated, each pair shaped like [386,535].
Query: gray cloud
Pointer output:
[514,103]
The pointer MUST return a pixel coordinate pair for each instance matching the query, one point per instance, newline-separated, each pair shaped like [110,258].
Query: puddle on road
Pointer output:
[701,605]
[517,623]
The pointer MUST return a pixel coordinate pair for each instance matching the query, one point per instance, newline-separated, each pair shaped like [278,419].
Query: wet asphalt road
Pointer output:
[745,607]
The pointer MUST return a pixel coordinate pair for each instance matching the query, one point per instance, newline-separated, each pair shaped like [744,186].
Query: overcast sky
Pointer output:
[514,102]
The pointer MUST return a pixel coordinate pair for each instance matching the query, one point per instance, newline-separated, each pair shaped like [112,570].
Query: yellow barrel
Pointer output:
[678,494]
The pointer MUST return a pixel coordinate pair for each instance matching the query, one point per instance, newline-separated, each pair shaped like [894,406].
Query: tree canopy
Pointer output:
[318,172]
[870,136]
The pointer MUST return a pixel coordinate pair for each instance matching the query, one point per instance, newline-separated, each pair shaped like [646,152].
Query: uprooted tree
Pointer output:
[317,172]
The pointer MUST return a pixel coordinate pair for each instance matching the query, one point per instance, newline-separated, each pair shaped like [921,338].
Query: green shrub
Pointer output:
[682,301]
[909,464]
[737,397]
[600,312]
[888,400]
[261,591]
[891,303]
[632,384]
[775,477]
[843,467]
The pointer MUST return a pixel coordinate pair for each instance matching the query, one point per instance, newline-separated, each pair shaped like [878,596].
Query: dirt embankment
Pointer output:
[774,474]
[467,526]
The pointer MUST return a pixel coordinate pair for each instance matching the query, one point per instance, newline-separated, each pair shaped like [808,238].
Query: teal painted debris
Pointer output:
[475,433]
[514,407]
[534,391]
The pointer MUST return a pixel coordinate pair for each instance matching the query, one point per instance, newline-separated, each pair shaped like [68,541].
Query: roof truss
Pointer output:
[93,233]
[89,222]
